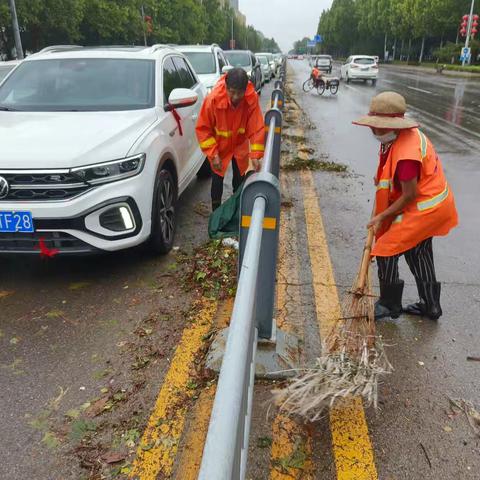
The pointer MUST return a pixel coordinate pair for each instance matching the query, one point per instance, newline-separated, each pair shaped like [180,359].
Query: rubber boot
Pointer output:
[216,204]
[429,304]
[390,302]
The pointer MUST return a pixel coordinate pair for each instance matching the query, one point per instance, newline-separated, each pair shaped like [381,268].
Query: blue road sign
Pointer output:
[311,43]
[318,38]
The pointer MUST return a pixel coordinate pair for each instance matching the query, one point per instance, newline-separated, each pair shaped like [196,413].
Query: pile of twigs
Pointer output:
[352,361]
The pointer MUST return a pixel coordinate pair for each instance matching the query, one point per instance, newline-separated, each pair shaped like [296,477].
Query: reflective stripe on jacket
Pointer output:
[231,132]
[433,213]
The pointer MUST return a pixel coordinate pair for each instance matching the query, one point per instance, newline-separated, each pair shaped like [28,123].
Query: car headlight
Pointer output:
[111,171]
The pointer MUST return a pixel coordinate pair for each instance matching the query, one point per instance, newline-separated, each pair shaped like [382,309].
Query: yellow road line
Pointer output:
[191,454]
[352,448]
[290,441]
[159,444]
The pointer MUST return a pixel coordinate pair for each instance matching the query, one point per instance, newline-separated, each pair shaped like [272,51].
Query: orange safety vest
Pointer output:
[316,73]
[231,132]
[433,212]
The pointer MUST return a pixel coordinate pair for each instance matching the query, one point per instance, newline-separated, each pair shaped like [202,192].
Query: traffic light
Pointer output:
[464,26]
[474,30]
[148,23]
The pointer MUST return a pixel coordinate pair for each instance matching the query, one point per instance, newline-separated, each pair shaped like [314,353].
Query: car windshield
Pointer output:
[80,84]
[324,57]
[203,62]
[364,61]
[4,69]
[263,60]
[238,59]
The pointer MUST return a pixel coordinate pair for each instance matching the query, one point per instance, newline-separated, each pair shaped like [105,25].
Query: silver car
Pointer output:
[267,73]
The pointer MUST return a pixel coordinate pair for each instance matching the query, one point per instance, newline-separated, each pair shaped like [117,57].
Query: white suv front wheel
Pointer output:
[164,220]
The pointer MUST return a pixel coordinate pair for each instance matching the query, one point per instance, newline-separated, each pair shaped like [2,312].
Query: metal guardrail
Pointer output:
[226,447]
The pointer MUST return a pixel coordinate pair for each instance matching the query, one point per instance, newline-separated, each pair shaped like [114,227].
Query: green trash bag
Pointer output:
[225,220]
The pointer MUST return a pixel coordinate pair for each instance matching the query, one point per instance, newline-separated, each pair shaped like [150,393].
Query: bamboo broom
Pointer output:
[352,360]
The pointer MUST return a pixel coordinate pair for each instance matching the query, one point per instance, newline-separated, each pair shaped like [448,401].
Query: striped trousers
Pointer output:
[419,260]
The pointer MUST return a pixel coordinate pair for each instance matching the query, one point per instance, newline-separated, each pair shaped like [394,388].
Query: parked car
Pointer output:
[271,61]
[247,60]
[97,145]
[278,59]
[324,63]
[7,67]
[267,73]
[208,61]
[360,67]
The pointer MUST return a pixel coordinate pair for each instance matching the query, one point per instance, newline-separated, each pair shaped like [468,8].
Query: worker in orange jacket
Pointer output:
[231,128]
[414,203]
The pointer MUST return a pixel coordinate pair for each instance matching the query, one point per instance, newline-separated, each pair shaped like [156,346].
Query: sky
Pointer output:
[285,20]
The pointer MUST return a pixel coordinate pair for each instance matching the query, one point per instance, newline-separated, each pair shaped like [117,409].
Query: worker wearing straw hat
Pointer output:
[414,203]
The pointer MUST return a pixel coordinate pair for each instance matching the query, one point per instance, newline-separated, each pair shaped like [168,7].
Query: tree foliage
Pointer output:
[369,26]
[120,22]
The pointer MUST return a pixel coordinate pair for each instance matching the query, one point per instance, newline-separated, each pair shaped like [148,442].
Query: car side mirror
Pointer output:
[180,98]
[227,68]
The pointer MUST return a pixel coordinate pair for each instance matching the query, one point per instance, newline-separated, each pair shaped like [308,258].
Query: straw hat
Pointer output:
[387,110]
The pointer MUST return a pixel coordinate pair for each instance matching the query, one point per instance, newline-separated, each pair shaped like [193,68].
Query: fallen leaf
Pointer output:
[55,313]
[78,285]
[421,364]
[447,428]
[14,340]
[97,407]
[113,457]
[80,428]
[6,293]
[73,413]
[50,440]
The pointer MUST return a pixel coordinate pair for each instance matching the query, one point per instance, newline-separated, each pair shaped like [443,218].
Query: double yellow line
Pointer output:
[159,448]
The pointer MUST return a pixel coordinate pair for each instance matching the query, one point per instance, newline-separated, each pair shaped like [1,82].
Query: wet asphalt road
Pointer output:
[414,434]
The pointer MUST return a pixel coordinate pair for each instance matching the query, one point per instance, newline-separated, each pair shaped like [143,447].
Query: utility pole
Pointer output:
[16,30]
[469,32]
[232,41]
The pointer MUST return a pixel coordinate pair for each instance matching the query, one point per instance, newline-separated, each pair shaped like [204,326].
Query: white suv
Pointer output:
[209,62]
[360,67]
[96,145]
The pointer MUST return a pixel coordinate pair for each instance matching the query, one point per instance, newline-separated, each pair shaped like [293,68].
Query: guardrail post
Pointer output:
[265,185]
[279,97]
[277,139]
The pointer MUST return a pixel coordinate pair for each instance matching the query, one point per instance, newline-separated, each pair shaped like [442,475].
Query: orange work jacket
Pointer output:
[231,132]
[433,213]
[316,73]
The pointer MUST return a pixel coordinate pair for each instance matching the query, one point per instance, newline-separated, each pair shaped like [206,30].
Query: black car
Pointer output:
[246,60]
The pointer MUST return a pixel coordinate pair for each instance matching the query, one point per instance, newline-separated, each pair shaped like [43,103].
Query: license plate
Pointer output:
[16,222]
[365,68]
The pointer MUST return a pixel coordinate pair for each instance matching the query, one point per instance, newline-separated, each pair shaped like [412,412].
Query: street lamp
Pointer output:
[16,30]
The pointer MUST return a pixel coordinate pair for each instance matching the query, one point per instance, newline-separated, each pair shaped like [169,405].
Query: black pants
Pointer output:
[217,183]
[419,260]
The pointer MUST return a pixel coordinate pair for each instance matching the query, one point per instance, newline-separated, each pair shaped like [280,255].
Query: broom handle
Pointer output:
[362,276]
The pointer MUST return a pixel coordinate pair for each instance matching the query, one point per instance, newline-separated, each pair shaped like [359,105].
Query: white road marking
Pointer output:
[421,90]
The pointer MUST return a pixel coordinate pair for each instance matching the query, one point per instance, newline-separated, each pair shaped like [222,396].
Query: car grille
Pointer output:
[42,185]
[29,243]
